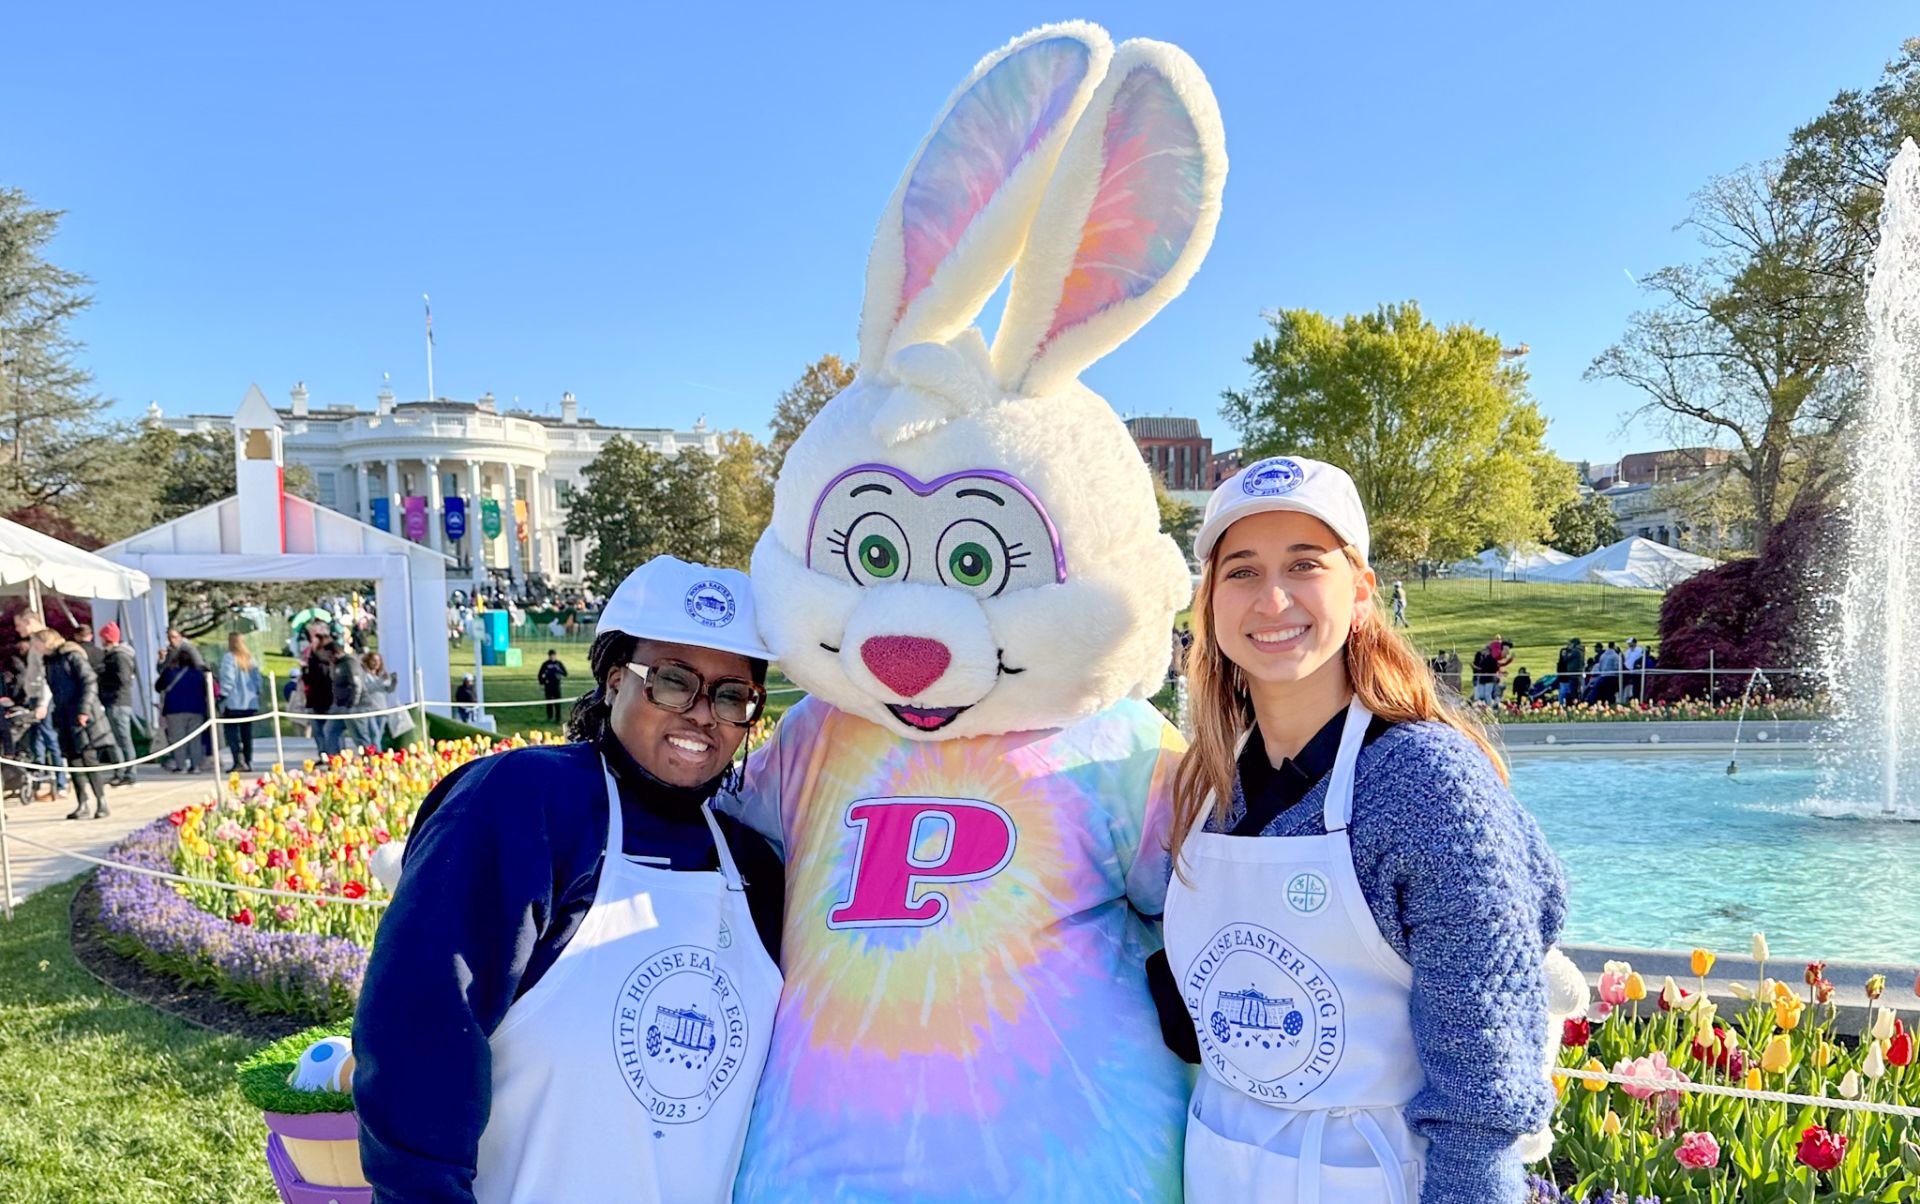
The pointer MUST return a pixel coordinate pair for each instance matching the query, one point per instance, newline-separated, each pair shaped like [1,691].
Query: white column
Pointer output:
[434,521]
[511,529]
[365,514]
[536,518]
[393,497]
[476,538]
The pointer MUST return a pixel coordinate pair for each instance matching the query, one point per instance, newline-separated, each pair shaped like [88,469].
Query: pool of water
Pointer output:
[1665,850]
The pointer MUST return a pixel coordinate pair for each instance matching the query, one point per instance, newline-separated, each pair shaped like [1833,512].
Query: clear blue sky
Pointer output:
[668,213]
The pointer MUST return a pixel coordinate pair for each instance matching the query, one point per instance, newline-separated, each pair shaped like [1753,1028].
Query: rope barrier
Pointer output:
[366,901]
[195,734]
[1661,1086]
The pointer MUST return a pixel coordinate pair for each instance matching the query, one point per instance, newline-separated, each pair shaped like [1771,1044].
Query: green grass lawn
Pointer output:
[1537,617]
[102,1098]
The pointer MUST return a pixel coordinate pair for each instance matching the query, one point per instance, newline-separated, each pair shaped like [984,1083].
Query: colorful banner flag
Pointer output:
[382,514]
[520,518]
[490,517]
[456,518]
[416,518]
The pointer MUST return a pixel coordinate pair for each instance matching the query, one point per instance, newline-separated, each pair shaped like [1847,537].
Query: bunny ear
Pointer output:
[961,212]
[1125,222]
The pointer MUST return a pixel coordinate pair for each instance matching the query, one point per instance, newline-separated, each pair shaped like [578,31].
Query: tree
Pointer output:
[49,414]
[1842,155]
[1434,425]
[1178,519]
[822,381]
[1715,509]
[638,503]
[1754,346]
[1583,524]
[743,498]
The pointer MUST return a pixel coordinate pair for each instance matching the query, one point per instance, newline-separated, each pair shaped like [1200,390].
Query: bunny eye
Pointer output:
[974,557]
[876,550]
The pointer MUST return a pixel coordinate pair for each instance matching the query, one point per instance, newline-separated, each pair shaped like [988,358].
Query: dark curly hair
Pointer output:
[609,651]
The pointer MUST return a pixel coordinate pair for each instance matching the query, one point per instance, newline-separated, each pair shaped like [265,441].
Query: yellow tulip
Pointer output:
[1636,987]
[1593,1085]
[1778,1056]
[1702,962]
[1610,1127]
[1752,1082]
[1559,1087]
[1787,1018]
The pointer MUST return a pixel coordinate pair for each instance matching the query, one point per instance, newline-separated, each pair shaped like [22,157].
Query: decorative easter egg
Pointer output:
[327,1065]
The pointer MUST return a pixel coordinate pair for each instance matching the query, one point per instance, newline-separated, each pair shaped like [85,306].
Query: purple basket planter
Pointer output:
[320,1126]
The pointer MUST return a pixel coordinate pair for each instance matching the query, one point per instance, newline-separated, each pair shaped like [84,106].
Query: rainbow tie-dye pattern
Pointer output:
[1009,1049]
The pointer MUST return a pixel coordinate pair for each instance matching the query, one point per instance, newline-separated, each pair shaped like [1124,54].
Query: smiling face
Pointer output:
[686,749]
[1285,597]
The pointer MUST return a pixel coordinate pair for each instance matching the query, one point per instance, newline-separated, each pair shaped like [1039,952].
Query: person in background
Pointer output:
[117,671]
[43,744]
[1399,604]
[175,642]
[463,693]
[1522,686]
[241,690]
[182,687]
[381,686]
[77,717]
[358,730]
[1567,670]
[317,677]
[551,673]
[1607,675]
[1634,662]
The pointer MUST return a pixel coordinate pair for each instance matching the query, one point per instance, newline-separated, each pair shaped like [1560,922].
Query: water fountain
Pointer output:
[1873,667]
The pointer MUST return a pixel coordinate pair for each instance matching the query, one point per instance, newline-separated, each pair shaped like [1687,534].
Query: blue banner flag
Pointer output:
[456,518]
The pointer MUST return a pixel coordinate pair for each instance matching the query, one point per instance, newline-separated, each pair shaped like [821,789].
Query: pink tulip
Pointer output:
[1655,1068]
[1698,1151]
[1613,987]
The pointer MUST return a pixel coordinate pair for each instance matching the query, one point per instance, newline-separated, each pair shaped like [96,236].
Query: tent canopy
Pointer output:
[1633,563]
[31,562]
[1512,563]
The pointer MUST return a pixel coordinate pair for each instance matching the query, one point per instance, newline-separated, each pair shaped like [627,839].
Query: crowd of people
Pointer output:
[1603,672]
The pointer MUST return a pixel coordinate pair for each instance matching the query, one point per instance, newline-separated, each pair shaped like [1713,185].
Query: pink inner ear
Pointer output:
[1151,185]
[994,125]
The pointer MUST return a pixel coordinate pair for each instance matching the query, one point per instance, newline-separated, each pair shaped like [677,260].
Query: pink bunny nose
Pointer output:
[905,664]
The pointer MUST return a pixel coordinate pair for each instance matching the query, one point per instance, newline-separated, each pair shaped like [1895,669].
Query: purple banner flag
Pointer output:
[416,518]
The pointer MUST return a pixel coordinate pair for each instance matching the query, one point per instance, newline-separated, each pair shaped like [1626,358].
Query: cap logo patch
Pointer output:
[710,604]
[1272,478]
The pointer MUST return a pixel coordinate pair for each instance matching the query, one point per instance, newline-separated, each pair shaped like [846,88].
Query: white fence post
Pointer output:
[279,751]
[213,732]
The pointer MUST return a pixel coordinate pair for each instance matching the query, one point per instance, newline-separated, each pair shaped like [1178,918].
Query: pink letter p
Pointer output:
[889,880]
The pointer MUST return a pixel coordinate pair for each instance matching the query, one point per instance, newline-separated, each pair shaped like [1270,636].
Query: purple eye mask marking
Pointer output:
[929,488]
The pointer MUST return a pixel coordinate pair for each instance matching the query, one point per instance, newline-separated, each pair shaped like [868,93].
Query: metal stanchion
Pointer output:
[6,864]
[279,751]
[213,733]
[420,696]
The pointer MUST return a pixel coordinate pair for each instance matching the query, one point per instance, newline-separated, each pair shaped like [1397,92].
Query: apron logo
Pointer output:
[679,1033]
[1306,892]
[1271,1022]
[910,845]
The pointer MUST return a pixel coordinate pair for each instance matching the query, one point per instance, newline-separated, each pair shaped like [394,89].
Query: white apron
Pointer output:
[627,1073]
[1302,1011]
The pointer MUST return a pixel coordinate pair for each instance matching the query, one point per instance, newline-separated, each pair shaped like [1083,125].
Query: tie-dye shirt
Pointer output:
[965,1014]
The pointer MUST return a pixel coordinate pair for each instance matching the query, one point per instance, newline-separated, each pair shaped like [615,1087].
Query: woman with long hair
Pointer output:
[1360,912]
[241,689]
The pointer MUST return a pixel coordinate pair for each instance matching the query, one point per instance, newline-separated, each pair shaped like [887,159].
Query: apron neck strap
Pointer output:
[616,833]
[1337,807]
[727,869]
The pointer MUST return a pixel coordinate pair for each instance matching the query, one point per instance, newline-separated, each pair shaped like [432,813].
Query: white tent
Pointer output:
[31,562]
[1633,563]
[263,533]
[1509,564]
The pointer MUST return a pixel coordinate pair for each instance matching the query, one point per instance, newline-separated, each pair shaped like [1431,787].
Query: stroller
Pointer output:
[17,783]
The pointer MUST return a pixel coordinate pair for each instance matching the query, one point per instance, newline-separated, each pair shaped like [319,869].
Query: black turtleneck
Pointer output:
[501,867]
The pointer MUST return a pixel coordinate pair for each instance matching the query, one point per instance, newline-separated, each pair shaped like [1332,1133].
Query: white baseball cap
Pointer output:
[1286,483]
[668,599]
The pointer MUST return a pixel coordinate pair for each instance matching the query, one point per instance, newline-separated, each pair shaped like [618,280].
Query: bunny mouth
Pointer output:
[926,719]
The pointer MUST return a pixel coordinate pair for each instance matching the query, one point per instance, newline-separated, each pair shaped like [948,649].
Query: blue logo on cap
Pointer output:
[710,604]
[1271,478]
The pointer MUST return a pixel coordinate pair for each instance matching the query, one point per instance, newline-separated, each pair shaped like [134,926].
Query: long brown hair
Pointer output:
[1385,672]
[237,645]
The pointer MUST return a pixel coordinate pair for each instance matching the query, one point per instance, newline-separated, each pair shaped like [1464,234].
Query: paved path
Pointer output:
[157,793]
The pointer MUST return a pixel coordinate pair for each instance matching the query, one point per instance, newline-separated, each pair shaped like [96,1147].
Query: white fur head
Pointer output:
[965,540]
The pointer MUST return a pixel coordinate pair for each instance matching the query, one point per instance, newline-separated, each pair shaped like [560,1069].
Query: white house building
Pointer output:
[488,488]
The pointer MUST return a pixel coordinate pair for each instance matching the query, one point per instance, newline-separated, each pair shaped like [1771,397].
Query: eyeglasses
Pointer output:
[675,687]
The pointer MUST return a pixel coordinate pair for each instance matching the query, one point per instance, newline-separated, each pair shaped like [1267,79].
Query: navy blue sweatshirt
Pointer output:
[500,869]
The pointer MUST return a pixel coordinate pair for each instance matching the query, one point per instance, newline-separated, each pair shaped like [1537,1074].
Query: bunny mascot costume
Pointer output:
[965,572]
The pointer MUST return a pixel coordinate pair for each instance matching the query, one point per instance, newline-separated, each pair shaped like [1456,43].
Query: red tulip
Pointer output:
[1576,1033]
[244,917]
[1820,1149]
[354,890]
[1816,971]
[1900,1049]
[176,818]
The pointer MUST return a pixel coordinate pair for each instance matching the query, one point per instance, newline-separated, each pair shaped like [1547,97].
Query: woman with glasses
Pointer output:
[570,996]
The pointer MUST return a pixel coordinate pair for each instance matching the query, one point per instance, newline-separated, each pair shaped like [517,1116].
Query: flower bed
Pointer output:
[311,831]
[1669,1145]
[1542,711]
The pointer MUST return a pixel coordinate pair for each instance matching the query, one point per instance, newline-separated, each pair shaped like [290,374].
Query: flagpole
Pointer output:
[429,304]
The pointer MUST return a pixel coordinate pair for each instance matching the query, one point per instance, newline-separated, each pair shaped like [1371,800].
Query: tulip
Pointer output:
[1788,1018]
[1698,1151]
[1876,1063]
[1593,1085]
[1636,987]
[1820,1149]
[1760,947]
[1909,1157]
[1671,994]
[1702,962]
[1575,1033]
[1850,1085]
[1752,1081]
[1740,990]
[1823,1055]
[1778,1056]
[1900,1048]
[1876,986]
[1883,1022]
[1610,1127]
[1815,972]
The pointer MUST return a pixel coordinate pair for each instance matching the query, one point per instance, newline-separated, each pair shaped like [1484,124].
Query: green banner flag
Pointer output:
[490,517]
